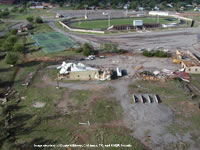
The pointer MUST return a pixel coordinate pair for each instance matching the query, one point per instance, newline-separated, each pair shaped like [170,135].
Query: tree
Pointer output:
[12,39]
[7,46]
[14,9]
[11,58]
[13,31]
[30,19]
[38,20]
[87,49]
[61,4]
[21,10]
[133,5]
[18,47]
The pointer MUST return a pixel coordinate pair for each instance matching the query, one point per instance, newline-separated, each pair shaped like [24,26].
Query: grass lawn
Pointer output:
[41,28]
[103,24]
[3,6]
[30,12]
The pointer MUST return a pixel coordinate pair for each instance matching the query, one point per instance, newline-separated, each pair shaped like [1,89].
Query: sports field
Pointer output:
[53,42]
[103,24]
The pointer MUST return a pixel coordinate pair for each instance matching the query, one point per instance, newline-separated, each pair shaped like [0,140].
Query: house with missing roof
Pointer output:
[189,62]
[72,71]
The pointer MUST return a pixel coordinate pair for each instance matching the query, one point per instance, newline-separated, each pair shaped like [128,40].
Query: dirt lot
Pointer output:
[131,62]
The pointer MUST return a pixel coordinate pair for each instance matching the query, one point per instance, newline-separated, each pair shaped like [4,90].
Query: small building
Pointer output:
[47,5]
[140,8]
[197,9]
[25,28]
[189,62]
[59,15]
[6,1]
[36,7]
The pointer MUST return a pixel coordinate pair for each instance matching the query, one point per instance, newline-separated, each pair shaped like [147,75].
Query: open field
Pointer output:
[30,12]
[56,117]
[103,24]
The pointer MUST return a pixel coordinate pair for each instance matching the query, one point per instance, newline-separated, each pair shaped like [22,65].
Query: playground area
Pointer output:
[52,42]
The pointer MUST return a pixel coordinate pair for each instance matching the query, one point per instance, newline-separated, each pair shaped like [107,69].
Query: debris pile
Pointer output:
[156,75]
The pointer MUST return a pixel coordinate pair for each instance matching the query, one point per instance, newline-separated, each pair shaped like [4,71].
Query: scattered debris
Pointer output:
[88,123]
[39,104]
[3,100]
[182,75]
[90,57]
[139,67]
[28,78]
[119,72]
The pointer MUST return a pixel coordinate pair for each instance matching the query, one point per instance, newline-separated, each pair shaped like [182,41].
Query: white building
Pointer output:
[159,13]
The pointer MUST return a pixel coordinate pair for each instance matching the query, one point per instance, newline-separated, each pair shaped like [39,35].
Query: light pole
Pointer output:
[107,14]
[108,20]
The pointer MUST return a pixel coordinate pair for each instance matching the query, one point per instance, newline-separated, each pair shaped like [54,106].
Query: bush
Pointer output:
[11,58]
[79,50]
[38,20]
[87,49]
[156,53]
[147,53]
[121,51]
[30,19]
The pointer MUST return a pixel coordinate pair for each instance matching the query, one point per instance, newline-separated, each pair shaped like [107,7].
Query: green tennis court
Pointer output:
[52,42]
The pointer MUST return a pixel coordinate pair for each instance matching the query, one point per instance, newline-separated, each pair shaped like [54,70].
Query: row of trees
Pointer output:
[31,19]
[9,43]
[6,12]
[113,3]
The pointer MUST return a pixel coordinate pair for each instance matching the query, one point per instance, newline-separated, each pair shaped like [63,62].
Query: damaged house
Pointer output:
[189,62]
[79,71]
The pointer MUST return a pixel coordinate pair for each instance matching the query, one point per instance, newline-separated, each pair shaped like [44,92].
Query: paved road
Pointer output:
[182,38]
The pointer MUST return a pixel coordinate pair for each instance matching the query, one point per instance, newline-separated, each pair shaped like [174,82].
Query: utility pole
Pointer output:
[58,86]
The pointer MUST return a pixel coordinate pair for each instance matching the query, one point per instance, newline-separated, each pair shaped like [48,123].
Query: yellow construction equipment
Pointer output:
[176,61]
